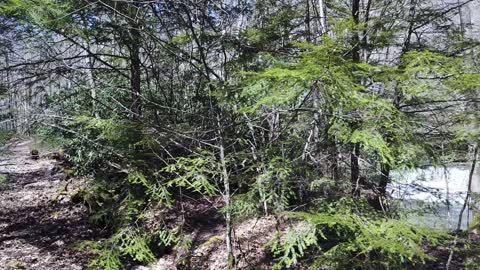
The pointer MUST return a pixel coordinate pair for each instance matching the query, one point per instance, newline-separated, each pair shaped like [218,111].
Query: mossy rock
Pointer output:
[16,264]
[34,153]
[59,155]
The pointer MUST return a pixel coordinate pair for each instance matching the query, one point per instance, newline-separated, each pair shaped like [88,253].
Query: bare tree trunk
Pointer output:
[355,168]
[316,119]
[323,18]
[385,168]
[355,154]
[469,189]
[465,202]
[384,179]
[355,38]
[308,33]
[92,86]
[226,195]
[411,24]
[11,100]
[135,79]
[366,52]
[135,61]
[220,145]
[228,215]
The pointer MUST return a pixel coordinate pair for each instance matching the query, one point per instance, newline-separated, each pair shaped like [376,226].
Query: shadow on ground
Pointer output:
[38,228]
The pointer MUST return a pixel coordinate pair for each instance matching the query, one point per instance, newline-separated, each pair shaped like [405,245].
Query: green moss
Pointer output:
[6,136]
[16,264]
[3,180]
[212,241]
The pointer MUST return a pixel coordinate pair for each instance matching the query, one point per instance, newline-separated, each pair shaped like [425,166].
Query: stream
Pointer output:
[434,196]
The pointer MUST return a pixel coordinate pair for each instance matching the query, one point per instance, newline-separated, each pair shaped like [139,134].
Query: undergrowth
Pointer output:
[126,185]
[6,136]
[333,232]
[339,236]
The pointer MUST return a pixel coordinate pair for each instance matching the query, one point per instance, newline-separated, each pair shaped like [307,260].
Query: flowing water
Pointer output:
[434,196]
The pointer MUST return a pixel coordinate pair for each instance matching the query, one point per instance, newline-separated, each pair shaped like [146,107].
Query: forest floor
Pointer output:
[38,225]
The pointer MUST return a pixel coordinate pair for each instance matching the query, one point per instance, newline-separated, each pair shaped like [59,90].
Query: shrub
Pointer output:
[340,237]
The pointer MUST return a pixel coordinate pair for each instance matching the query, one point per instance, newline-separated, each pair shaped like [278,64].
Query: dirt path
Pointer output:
[38,230]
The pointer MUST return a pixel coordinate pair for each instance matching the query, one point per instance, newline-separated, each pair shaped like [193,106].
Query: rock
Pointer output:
[34,153]
[140,267]
[59,243]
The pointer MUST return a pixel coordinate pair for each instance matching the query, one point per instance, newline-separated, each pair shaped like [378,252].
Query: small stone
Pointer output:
[139,267]
[59,243]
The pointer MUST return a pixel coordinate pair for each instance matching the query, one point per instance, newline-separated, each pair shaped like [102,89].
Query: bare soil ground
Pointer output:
[38,226]
[208,248]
